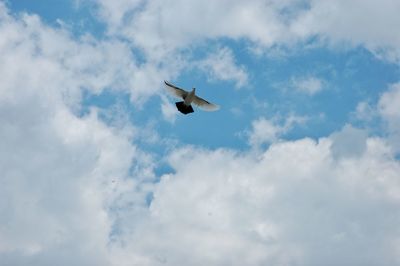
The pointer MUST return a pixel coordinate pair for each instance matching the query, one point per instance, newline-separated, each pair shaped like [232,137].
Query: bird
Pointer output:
[185,106]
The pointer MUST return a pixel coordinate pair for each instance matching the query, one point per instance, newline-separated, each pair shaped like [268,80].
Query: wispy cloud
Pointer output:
[221,65]
[388,108]
[267,131]
[309,85]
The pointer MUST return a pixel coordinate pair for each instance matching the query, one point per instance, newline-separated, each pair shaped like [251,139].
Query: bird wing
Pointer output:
[205,105]
[175,91]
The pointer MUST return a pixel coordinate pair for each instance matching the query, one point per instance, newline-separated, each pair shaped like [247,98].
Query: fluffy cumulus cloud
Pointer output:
[160,26]
[86,63]
[368,23]
[61,174]
[297,203]
[75,190]
[348,142]
[265,131]
[60,178]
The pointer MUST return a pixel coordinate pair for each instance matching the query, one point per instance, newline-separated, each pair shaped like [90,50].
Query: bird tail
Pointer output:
[183,108]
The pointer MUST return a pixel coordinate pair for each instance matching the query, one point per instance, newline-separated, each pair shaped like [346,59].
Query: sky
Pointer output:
[300,166]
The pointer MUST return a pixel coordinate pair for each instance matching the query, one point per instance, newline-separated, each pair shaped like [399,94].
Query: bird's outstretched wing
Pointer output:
[175,91]
[205,105]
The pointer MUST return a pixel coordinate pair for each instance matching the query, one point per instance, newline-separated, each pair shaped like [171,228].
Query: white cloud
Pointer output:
[365,111]
[221,66]
[348,142]
[292,204]
[63,177]
[74,191]
[389,103]
[90,63]
[116,12]
[159,27]
[308,85]
[168,110]
[388,108]
[266,131]
[368,23]
[57,173]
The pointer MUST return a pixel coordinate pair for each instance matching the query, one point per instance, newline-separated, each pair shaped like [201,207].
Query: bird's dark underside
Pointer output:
[183,108]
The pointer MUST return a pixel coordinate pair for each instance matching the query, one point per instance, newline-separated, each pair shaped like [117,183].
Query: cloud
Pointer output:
[57,173]
[92,64]
[156,28]
[366,23]
[77,191]
[266,131]
[221,66]
[292,204]
[388,108]
[63,176]
[308,85]
[365,111]
[156,24]
[168,110]
[348,142]
[388,103]
[116,12]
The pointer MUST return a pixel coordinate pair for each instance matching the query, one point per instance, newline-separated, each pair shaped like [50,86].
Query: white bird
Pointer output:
[185,106]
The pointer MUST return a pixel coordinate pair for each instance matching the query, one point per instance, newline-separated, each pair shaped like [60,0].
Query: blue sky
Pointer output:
[300,166]
[348,75]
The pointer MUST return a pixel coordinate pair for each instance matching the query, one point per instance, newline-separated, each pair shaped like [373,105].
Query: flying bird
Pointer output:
[185,106]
